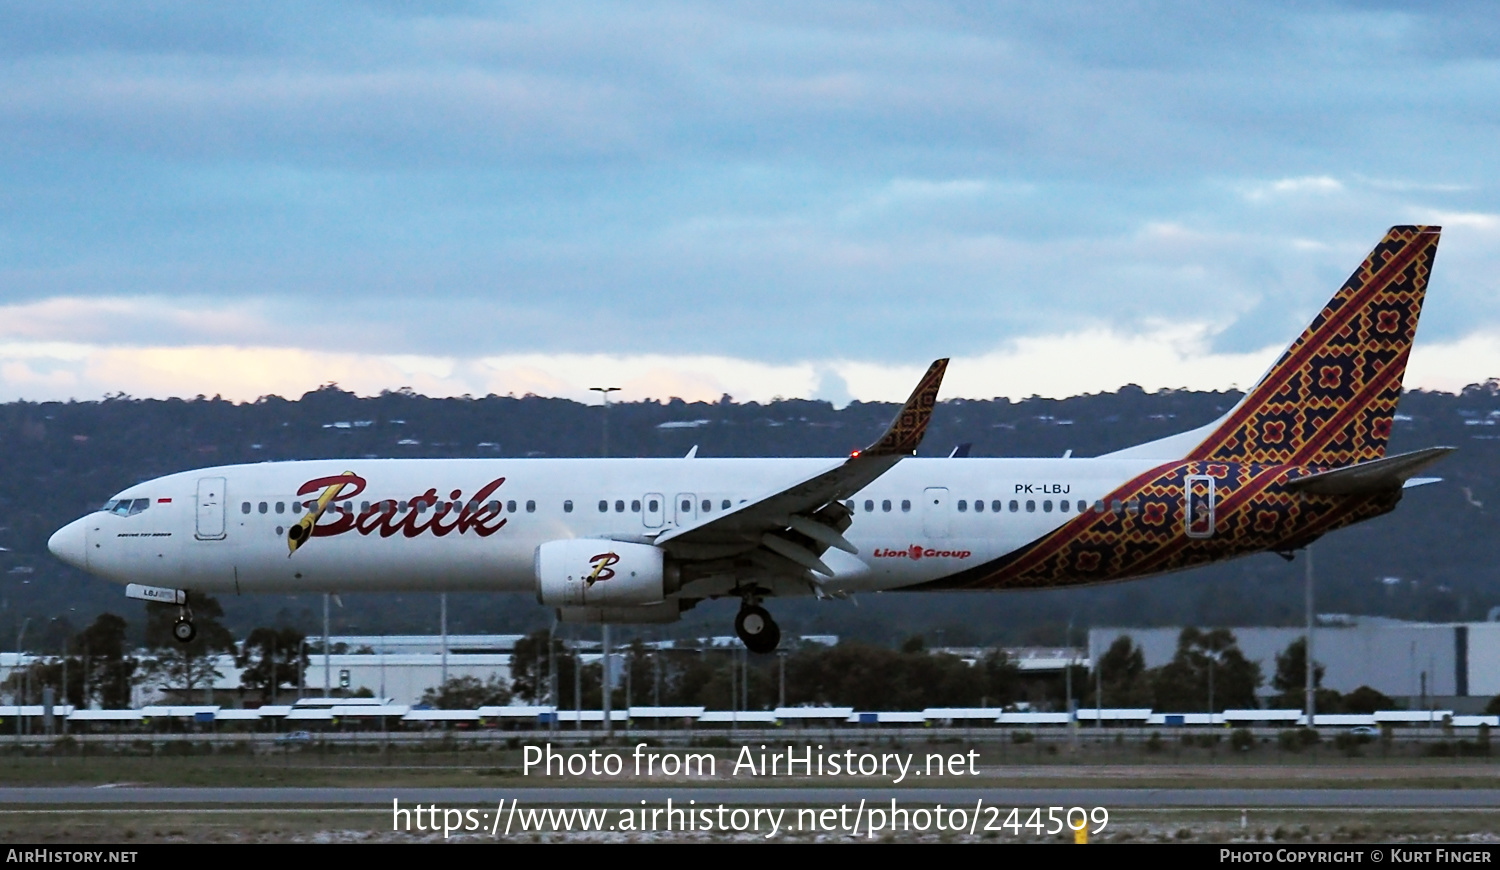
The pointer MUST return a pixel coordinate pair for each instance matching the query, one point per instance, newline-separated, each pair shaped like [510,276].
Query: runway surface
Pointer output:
[1235,798]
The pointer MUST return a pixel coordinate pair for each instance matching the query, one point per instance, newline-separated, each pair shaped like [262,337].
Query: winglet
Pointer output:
[906,431]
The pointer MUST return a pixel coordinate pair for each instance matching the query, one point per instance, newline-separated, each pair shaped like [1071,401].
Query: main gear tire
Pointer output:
[757,630]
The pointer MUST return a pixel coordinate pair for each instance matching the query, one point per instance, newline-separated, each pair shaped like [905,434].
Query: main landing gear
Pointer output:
[757,629]
[183,630]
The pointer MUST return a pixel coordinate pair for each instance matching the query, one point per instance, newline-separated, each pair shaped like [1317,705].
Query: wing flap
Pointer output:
[1367,478]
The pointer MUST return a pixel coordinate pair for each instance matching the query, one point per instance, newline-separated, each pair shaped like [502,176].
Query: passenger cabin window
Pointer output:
[1047,506]
[1064,506]
[568,506]
[509,506]
[1030,506]
[886,505]
[1014,505]
[906,505]
[707,505]
[245,508]
[1082,506]
[963,506]
[603,506]
[869,506]
[530,507]
[263,507]
[652,506]
[995,506]
[297,507]
[281,507]
[978,506]
[724,505]
[1118,508]
[364,507]
[687,506]
[619,506]
[635,506]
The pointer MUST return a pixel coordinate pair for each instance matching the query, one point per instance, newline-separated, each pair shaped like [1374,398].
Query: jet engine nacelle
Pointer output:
[588,572]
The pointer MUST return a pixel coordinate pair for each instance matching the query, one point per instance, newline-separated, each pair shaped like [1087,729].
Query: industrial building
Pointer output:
[1449,665]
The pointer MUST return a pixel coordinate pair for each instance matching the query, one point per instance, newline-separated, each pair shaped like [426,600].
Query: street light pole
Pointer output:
[604,683]
[327,657]
[1311,687]
[605,391]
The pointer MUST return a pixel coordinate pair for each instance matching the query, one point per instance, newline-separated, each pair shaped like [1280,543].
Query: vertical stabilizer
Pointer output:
[1330,399]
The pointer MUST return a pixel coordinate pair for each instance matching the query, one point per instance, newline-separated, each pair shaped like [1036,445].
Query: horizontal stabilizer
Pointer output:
[1366,478]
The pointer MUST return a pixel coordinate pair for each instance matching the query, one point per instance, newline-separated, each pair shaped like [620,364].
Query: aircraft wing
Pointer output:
[798,522]
[1366,478]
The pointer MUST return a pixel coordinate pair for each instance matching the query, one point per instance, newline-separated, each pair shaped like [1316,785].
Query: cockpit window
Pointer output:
[126,507]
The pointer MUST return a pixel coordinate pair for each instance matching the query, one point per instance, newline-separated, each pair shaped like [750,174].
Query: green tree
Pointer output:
[1367,700]
[874,678]
[467,693]
[1290,681]
[110,673]
[1121,675]
[528,666]
[187,665]
[1208,673]
[1001,680]
[271,659]
[531,679]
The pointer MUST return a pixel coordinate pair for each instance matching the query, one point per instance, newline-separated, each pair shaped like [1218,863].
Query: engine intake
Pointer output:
[589,572]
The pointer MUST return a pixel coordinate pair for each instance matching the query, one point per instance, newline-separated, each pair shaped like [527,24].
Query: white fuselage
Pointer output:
[225,529]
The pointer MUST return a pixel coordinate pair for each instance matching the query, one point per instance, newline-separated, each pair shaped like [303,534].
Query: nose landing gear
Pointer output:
[757,629]
[183,630]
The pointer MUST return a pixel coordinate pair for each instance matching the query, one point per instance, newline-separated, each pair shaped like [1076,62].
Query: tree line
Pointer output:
[1207,673]
[99,665]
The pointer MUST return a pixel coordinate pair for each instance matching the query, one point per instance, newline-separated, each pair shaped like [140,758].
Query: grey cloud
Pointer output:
[727,178]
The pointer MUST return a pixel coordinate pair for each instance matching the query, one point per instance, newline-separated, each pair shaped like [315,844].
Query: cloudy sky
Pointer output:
[696,199]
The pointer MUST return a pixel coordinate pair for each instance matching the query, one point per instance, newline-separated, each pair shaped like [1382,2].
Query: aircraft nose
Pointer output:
[68,544]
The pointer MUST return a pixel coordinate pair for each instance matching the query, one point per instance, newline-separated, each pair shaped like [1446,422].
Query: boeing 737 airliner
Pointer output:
[642,540]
